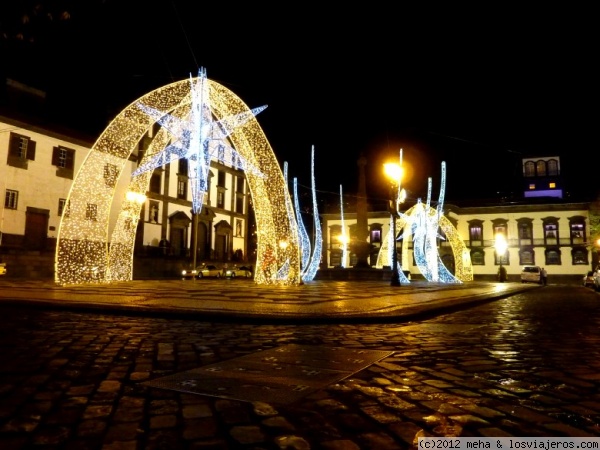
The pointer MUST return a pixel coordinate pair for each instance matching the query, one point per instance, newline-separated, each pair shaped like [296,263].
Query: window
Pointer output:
[221,153]
[62,203]
[579,256]
[11,199]
[220,199]
[239,204]
[375,235]
[551,232]
[501,259]
[552,257]
[111,172]
[182,189]
[526,257]
[476,233]
[239,185]
[529,169]
[335,232]
[155,181]
[541,168]
[63,158]
[578,231]
[477,258]
[91,212]
[552,167]
[21,149]
[221,179]
[182,167]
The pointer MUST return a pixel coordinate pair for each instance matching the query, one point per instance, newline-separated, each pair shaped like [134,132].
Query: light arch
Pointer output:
[84,252]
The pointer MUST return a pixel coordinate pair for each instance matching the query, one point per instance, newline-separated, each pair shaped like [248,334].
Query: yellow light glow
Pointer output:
[83,240]
[500,244]
[135,197]
[393,171]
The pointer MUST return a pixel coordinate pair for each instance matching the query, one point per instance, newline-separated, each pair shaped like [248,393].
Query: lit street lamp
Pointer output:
[501,246]
[394,173]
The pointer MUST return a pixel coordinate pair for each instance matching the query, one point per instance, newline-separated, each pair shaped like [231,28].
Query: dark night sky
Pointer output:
[477,88]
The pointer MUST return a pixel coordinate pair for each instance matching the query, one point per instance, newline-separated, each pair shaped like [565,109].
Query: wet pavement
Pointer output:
[510,360]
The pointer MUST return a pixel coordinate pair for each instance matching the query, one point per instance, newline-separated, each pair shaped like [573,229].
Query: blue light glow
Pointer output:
[311,270]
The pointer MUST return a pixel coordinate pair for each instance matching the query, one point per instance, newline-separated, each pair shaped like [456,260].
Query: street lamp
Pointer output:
[394,173]
[501,246]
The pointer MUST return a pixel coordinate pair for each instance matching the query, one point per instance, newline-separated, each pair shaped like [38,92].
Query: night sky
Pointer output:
[477,88]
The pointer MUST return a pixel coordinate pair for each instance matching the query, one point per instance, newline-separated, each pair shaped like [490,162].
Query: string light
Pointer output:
[315,260]
[82,240]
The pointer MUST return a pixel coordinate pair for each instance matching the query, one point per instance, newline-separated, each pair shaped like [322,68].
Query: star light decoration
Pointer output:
[199,138]
[422,222]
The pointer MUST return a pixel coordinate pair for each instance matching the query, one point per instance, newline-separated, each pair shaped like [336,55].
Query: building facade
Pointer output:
[38,169]
[552,235]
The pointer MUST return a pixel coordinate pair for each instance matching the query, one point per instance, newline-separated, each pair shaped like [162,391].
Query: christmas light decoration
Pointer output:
[343,236]
[84,253]
[315,260]
[422,222]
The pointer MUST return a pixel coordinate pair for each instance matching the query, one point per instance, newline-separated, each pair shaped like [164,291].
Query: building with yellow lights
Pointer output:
[40,164]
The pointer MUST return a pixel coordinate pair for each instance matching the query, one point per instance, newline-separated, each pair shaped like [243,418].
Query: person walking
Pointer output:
[544,276]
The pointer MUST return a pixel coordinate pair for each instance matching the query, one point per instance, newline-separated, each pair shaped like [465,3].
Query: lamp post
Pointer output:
[394,174]
[501,245]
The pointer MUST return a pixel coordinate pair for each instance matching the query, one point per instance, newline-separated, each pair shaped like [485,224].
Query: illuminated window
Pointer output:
[11,199]
[531,187]
[541,168]
[551,232]
[529,169]
[552,185]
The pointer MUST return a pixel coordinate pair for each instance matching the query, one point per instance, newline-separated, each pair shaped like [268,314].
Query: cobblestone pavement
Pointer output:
[525,365]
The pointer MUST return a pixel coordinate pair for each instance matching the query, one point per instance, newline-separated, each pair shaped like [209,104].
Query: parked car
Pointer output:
[202,271]
[209,271]
[531,274]
[588,279]
[2,268]
[235,271]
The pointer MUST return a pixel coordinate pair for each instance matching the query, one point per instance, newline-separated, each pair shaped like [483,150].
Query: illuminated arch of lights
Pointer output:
[84,254]
[422,222]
